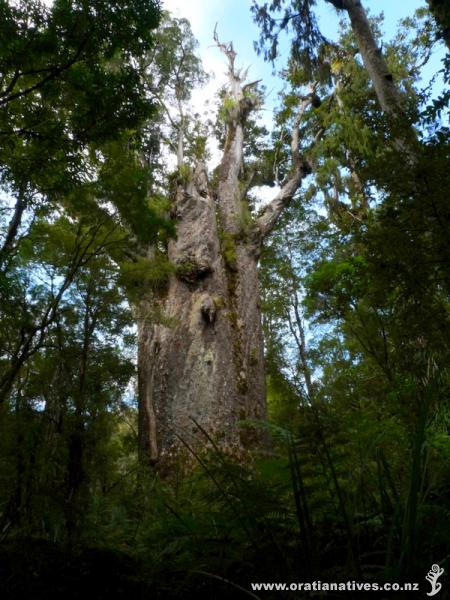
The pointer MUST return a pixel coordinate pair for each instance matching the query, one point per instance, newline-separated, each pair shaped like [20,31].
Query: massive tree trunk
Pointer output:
[204,365]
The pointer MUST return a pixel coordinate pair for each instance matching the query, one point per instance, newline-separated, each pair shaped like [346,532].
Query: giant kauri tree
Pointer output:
[201,367]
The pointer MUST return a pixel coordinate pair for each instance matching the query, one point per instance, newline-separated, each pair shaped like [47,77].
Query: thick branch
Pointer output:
[13,227]
[387,92]
[227,49]
[236,78]
[300,167]
[229,186]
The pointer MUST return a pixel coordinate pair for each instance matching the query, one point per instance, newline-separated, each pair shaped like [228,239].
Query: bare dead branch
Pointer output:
[300,167]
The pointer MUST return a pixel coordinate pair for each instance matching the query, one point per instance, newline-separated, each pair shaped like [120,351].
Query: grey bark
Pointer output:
[205,363]
[390,98]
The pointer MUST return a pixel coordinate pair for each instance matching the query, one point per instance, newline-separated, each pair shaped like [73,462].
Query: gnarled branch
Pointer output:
[300,168]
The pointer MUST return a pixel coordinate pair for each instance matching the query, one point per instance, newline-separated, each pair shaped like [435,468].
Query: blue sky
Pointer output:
[235,23]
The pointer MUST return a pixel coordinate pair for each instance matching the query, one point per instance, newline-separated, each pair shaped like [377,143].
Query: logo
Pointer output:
[433,575]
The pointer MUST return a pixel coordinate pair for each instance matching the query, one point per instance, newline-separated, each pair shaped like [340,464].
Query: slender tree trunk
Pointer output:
[76,473]
[13,228]
[389,96]
[386,89]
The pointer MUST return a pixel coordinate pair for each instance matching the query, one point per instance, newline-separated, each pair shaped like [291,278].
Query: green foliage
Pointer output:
[69,81]
[276,16]
[175,67]
[72,107]
[184,174]
[172,70]
[227,109]
[355,299]
[139,275]
[356,315]
[125,184]
[228,245]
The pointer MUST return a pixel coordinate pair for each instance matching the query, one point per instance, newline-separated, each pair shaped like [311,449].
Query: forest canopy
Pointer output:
[224,337]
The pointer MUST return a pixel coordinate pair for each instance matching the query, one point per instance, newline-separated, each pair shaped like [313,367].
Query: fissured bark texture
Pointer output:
[205,364]
[201,368]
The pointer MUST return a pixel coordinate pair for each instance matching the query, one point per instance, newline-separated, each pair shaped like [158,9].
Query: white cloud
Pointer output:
[198,12]
[264,194]
[203,17]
